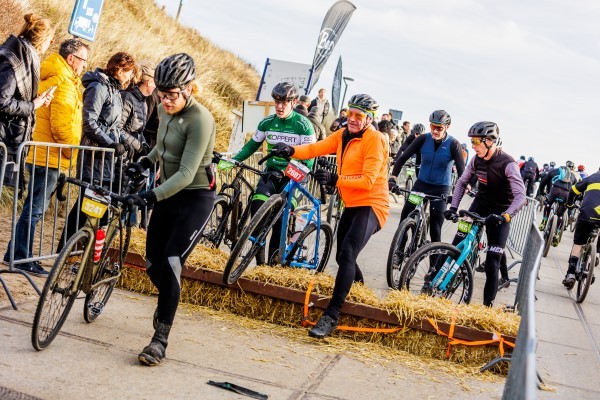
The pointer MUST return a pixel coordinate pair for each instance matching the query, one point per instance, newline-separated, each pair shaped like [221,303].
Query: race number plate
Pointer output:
[296,171]
[464,226]
[93,204]
[415,199]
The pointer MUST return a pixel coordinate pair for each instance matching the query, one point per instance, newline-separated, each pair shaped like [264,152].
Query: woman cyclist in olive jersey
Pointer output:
[184,199]
[361,179]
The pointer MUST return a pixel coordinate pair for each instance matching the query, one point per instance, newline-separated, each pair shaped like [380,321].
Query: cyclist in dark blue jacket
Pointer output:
[439,152]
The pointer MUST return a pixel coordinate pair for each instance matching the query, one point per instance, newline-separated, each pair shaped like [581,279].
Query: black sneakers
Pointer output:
[323,328]
[33,268]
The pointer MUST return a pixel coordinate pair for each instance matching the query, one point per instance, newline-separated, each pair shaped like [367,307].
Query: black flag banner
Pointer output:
[333,25]
[336,87]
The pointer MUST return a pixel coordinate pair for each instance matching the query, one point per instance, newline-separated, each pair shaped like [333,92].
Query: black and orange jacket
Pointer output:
[362,168]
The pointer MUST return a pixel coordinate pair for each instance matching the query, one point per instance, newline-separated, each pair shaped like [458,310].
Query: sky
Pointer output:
[533,67]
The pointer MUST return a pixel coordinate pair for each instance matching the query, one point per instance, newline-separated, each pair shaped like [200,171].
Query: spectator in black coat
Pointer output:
[302,106]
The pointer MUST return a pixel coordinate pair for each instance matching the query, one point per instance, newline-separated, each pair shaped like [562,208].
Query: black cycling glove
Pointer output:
[283,150]
[451,214]
[325,177]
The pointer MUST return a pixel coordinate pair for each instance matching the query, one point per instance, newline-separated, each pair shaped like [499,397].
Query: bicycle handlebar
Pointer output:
[399,190]
[474,216]
[218,157]
[62,180]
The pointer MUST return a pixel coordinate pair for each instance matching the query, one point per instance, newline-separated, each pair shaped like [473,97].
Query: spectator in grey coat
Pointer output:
[322,105]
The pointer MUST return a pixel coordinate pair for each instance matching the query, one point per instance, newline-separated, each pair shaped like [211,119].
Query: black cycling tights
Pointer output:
[497,236]
[356,226]
[436,208]
[173,232]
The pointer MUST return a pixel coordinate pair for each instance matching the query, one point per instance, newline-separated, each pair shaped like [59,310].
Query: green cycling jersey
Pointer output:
[294,130]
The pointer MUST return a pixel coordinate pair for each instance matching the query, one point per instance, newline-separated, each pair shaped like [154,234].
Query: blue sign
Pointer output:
[85,18]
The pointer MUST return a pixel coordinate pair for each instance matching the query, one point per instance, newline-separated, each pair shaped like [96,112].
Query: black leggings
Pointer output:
[173,232]
[497,236]
[436,208]
[356,226]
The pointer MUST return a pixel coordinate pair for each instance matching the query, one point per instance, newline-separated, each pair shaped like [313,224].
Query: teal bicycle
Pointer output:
[444,270]
[305,240]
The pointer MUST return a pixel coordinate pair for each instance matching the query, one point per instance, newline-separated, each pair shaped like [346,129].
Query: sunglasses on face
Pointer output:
[437,128]
[356,115]
[171,96]
[477,141]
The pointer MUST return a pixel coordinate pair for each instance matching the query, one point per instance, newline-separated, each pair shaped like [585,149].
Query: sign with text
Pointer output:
[85,18]
[277,71]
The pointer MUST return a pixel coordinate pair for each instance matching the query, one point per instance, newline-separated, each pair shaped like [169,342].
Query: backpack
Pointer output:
[529,167]
[564,175]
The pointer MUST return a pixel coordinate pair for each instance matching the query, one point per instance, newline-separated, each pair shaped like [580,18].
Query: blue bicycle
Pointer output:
[305,240]
[443,270]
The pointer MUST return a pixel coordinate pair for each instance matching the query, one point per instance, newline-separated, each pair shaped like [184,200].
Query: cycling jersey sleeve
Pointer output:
[517,187]
[414,148]
[249,148]
[461,184]
[459,161]
[323,147]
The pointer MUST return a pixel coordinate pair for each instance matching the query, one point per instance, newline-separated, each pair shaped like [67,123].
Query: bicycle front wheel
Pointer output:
[109,266]
[59,291]
[305,248]
[549,234]
[252,239]
[216,226]
[586,274]
[334,212]
[420,269]
[400,251]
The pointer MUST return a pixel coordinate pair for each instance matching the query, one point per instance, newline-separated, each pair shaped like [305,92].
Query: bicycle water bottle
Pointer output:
[100,238]
[301,219]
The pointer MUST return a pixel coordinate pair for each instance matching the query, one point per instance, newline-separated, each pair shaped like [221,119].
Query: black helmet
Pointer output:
[484,129]
[522,158]
[440,117]
[552,164]
[530,159]
[418,129]
[570,164]
[175,71]
[365,103]
[285,91]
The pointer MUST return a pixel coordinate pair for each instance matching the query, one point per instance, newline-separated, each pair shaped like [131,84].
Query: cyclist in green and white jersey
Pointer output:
[285,126]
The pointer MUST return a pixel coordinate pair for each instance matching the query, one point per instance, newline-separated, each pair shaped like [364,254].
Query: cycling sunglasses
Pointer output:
[476,141]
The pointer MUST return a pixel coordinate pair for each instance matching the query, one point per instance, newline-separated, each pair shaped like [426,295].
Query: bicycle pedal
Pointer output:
[480,268]
[96,309]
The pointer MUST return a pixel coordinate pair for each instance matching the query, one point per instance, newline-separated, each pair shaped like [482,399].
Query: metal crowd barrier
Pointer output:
[43,244]
[521,382]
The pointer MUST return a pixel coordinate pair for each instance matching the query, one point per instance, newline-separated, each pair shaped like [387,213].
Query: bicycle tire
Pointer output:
[334,213]
[573,220]
[305,245]
[414,268]
[245,249]
[587,272]
[549,234]
[110,265]
[398,251]
[215,228]
[47,321]
[408,184]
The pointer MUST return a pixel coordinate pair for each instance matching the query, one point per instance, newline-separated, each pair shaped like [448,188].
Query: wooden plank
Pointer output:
[298,296]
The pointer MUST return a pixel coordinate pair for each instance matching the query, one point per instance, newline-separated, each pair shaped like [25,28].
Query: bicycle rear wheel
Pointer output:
[586,274]
[421,267]
[549,233]
[304,248]
[252,239]
[109,266]
[216,227]
[400,251]
[573,220]
[59,294]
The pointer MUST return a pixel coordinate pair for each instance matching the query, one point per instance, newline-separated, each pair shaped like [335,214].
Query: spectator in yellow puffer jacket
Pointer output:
[58,123]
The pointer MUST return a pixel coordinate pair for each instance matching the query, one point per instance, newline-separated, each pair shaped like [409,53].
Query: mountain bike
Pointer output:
[550,227]
[305,240]
[229,216]
[443,270]
[584,273]
[85,263]
[410,234]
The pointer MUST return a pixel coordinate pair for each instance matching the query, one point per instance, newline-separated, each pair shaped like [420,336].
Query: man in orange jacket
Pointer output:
[361,179]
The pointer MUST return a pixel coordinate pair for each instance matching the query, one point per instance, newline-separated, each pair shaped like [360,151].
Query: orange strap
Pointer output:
[306,321]
[497,338]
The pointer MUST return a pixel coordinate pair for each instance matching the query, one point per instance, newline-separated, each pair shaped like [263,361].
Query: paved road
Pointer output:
[99,361]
